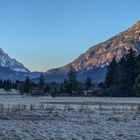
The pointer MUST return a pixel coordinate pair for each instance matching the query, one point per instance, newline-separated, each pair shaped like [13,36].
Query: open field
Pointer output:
[71,118]
[8,101]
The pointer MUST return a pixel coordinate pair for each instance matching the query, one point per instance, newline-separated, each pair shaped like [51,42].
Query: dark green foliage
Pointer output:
[72,83]
[27,85]
[110,76]
[137,81]
[61,88]
[7,85]
[101,85]
[120,72]
[138,64]
[1,84]
[88,83]
[137,86]
[121,76]
[131,67]
[41,82]
[16,85]
[127,73]
[114,91]
[47,89]
[65,86]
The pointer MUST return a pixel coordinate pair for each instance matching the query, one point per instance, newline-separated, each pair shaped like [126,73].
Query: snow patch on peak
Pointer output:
[13,64]
[20,70]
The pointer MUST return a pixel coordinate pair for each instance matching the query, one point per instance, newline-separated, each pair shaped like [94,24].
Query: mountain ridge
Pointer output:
[94,61]
[13,70]
[13,64]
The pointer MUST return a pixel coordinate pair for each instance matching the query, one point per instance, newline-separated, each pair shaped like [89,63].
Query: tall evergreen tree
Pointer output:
[137,86]
[110,75]
[7,85]
[17,84]
[122,75]
[27,85]
[72,81]
[130,72]
[88,83]
[138,65]
[4,84]
[47,89]
[65,85]
[41,81]
[1,83]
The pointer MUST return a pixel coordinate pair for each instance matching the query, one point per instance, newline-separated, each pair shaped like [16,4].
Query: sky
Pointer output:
[44,34]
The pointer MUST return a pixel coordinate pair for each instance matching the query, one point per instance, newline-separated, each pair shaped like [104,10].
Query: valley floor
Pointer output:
[44,118]
[70,125]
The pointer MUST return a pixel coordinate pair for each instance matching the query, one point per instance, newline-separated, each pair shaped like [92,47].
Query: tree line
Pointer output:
[123,77]
[122,80]
[7,85]
[70,87]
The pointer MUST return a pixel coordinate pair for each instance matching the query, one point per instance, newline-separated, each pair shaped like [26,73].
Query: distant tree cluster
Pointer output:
[122,80]
[7,85]
[29,87]
[70,87]
[71,83]
[123,77]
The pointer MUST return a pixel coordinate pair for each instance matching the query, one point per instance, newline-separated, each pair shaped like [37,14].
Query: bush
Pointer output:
[114,91]
[137,86]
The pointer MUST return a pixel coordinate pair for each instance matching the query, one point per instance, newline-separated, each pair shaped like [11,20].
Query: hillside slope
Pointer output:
[95,60]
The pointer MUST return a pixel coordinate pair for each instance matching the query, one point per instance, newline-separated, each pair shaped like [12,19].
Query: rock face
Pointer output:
[7,62]
[95,60]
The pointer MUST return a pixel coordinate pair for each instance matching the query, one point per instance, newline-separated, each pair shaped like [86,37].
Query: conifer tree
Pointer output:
[72,81]
[88,83]
[17,84]
[65,85]
[27,85]
[137,86]
[1,83]
[138,65]
[110,75]
[47,88]
[130,72]
[41,81]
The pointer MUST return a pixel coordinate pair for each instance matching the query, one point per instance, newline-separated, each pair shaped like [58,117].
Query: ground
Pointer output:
[79,119]
[70,125]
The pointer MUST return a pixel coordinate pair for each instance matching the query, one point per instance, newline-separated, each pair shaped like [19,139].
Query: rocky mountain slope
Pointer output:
[14,70]
[95,60]
[8,62]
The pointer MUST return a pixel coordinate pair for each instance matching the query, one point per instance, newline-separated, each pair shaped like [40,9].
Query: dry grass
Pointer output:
[138,107]
[68,108]
[18,108]
[1,108]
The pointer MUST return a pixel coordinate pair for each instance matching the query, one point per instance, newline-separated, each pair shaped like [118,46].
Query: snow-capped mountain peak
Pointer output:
[13,64]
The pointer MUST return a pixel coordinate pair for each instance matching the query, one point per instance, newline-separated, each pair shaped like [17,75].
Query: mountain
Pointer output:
[14,70]
[11,68]
[95,60]
[8,62]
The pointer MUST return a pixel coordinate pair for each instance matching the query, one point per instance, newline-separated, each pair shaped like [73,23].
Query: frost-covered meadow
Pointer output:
[69,118]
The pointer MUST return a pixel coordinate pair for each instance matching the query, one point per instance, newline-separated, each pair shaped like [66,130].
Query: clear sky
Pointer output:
[44,34]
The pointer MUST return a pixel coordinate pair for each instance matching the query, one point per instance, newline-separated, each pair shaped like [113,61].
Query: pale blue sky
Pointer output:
[44,34]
